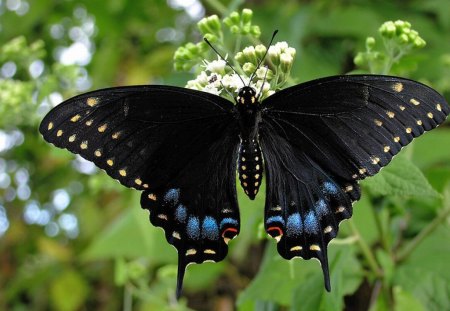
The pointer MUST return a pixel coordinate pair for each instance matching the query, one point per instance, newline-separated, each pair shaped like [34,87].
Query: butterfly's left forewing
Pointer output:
[319,138]
[178,145]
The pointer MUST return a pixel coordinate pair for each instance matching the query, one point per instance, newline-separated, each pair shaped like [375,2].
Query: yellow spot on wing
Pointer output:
[401,107]
[296,248]
[59,133]
[396,139]
[438,107]
[340,209]
[162,216]
[84,145]
[408,130]
[191,251]
[415,102]
[398,87]
[375,160]
[115,135]
[430,115]
[244,176]
[390,114]
[378,122]
[98,153]
[386,148]
[314,247]
[50,126]
[152,196]
[137,181]
[328,229]
[209,251]
[72,138]
[348,188]
[123,172]
[89,122]
[75,118]
[91,101]
[102,128]
[176,235]
[419,122]
[362,171]
[110,162]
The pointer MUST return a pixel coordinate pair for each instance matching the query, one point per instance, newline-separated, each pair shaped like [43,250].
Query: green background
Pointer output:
[73,239]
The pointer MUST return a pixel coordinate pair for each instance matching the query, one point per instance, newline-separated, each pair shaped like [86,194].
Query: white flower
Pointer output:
[282,45]
[216,66]
[211,89]
[214,79]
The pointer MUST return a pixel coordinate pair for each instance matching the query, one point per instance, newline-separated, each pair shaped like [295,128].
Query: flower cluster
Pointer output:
[398,39]
[267,69]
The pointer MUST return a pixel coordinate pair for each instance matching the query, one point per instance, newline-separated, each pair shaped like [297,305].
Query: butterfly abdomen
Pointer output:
[250,167]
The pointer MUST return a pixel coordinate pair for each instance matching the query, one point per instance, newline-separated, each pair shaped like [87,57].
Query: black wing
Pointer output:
[178,145]
[319,138]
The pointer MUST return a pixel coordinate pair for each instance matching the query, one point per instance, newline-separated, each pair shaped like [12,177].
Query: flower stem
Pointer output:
[366,250]
[217,6]
[411,246]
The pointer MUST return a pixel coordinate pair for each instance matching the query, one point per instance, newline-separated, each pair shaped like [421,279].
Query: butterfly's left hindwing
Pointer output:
[178,145]
[319,138]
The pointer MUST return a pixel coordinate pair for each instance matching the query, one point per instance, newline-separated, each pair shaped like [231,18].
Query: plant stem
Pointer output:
[127,298]
[366,251]
[217,6]
[411,246]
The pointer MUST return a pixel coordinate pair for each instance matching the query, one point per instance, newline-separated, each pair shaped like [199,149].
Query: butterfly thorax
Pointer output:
[250,166]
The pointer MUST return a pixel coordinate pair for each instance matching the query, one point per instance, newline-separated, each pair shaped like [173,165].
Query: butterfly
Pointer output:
[182,148]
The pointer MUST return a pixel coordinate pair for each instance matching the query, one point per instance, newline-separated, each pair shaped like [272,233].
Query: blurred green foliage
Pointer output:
[72,239]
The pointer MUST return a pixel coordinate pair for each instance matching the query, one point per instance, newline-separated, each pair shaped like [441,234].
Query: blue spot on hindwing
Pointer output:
[330,188]
[228,221]
[311,224]
[210,229]
[294,226]
[172,196]
[193,228]
[321,208]
[181,213]
[275,219]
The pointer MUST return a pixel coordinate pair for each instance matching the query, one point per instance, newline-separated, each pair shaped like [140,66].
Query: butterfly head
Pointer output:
[247,97]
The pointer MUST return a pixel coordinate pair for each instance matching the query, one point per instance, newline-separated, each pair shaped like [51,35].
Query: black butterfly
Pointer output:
[181,147]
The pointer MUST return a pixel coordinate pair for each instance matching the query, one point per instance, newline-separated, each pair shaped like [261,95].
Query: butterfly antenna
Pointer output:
[262,59]
[223,58]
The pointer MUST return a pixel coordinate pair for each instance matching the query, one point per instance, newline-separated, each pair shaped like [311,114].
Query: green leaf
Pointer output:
[425,273]
[401,178]
[301,282]
[131,236]
[405,301]
[69,291]
[346,277]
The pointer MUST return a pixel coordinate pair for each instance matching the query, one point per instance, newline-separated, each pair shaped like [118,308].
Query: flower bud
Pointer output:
[286,61]
[214,23]
[388,29]
[211,38]
[250,54]
[255,31]
[246,16]
[260,50]
[234,29]
[249,68]
[264,72]
[274,55]
[240,58]
[419,43]
[232,19]
[370,43]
